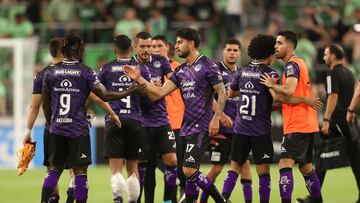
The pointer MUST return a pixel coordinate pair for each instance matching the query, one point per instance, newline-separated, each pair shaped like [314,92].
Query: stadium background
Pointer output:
[319,22]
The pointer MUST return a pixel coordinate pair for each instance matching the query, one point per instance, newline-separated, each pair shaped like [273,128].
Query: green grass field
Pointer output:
[339,186]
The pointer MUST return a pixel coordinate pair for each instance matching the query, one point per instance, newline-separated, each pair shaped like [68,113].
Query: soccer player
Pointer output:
[55,51]
[220,150]
[340,83]
[198,78]
[175,108]
[159,138]
[66,87]
[252,125]
[122,143]
[299,120]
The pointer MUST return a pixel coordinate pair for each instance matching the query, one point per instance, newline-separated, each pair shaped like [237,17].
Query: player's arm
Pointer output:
[100,91]
[153,92]
[214,124]
[350,117]
[46,100]
[224,119]
[286,89]
[311,101]
[106,107]
[232,93]
[32,115]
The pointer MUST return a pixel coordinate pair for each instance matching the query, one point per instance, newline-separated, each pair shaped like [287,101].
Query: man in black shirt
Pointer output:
[340,84]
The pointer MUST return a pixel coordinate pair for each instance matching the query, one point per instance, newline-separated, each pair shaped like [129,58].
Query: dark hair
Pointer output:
[337,50]
[73,46]
[261,47]
[290,36]
[122,42]
[232,41]
[160,37]
[189,34]
[54,45]
[143,35]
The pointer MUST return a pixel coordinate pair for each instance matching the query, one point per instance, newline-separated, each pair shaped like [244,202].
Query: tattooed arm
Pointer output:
[214,124]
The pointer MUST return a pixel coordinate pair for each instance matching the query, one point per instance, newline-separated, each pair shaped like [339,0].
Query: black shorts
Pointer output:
[196,145]
[180,148]
[69,151]
[261,147]
[122,143]
[46,143]
[220,153]
[298,146]
[157,141]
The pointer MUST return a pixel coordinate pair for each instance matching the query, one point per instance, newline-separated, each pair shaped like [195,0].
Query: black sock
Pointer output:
[226,195]
[46,194]
[70,195]
[321,176]
[191,198]
[285,200]
[215,194]
[54,198]
[149,184]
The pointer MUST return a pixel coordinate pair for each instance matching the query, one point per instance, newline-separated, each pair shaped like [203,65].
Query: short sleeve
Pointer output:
[166,67]
[213,74]
[292,70]
[47,80]
[332,83]
[92,79]
[101,74]
[38,83]
[235,83]
[174,78]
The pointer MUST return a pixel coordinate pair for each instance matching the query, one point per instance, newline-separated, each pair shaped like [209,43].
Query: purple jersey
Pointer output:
[231,103]
[154,114]
[69,84]
[114,79]
[38,84]
[254,110]
[196,86]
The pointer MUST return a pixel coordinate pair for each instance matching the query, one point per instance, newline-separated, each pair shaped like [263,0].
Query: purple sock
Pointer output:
[170,175]
[204,197]
[264,187]
[229,183]
[142,171]
[313,185]
[191,189]
[81,188]
[202,180]
[247,189]
[51,179]
[286,184]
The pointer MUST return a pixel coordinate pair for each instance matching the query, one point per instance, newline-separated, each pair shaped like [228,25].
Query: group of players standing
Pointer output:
[196,92]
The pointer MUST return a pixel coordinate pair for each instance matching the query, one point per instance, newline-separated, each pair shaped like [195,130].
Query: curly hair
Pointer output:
[261,47]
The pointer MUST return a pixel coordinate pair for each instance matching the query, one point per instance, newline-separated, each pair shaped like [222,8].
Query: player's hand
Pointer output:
[325,128]
[350,117]
[27,136]
[116,120]
[267,80]
[133,73]
[313,102]
[214,126]
[226,121]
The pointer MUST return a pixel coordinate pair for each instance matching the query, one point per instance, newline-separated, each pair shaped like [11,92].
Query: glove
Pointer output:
[215,138]
[25,155]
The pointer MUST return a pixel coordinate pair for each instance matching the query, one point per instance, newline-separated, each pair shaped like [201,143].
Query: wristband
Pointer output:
[27,131]
[351,111]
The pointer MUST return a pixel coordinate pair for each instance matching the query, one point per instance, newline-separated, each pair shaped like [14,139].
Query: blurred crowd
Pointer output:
[318,22]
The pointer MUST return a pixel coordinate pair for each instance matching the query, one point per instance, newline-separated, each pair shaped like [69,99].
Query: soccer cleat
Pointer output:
[25,155]
[306,200]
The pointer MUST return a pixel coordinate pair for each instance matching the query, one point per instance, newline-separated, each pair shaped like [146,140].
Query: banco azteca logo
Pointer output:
[124,79]
[66,83]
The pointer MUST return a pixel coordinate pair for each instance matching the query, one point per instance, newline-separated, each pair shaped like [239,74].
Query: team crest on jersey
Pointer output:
[249,85]
[197,67]
[65,83]
[124,79]
[290,70]
[157,64]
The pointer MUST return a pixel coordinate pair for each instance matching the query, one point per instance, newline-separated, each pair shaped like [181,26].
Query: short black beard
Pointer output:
[184,55]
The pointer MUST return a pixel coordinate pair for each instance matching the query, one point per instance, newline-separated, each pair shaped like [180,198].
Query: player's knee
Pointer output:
[189,171]
[118,184]
[56,168]
[170,159]
[79,170]
[305,169]
[133,187]
[286,163]
[216,169]
[234,166]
